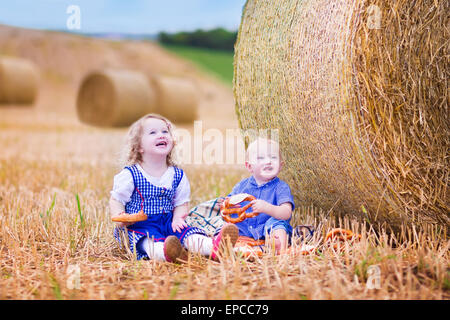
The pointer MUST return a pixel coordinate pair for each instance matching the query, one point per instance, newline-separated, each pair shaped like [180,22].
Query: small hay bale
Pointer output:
[114,98]
[176,98]
[117,98]
[359,93]
[18,81]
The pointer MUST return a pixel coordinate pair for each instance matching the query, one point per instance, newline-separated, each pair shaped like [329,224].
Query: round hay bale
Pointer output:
[114,98]
[18,81]
[359,93]
[176,98]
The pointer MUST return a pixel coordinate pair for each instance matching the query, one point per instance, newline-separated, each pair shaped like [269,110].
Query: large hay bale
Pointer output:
[359,93]
[18,81]
[114,98]
[176,98]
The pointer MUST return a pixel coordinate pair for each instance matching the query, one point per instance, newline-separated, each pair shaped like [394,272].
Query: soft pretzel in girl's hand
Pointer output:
[130,217]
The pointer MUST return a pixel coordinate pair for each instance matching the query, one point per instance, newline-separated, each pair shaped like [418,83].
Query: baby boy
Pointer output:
[274,201]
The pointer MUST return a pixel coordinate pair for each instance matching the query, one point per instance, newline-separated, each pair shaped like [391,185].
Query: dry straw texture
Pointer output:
[176,98]
[18,81]
[55,217]
[359,93]
[55,183]
[118,97]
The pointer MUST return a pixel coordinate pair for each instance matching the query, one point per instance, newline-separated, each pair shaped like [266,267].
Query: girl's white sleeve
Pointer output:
[183,192]
[123,186]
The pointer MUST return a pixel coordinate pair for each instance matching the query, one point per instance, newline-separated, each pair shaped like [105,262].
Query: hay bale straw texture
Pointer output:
[118,97]
[18,81]
[176,98]
[359,93]
[114,98]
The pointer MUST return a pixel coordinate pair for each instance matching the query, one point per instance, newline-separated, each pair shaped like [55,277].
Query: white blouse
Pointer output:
[124,185]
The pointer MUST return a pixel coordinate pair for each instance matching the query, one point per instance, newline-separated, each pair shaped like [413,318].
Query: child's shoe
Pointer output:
[184,256]
[229,231]
[172,249]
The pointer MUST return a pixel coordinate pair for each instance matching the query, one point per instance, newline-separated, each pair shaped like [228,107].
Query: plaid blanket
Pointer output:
[206,216]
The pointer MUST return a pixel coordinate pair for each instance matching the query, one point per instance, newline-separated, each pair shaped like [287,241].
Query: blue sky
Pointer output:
[124,16]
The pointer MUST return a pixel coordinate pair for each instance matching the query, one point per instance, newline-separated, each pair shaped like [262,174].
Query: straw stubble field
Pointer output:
[55,180]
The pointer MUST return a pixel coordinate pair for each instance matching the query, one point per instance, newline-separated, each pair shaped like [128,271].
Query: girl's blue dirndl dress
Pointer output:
[158,206]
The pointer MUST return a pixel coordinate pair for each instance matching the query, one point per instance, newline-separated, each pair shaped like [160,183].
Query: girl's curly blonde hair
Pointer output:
[133,144]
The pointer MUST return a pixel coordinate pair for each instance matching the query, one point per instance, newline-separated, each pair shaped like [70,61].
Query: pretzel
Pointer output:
[249,247]
[130,217]
[231,206]
[341,235]
[247,241]
[304,250]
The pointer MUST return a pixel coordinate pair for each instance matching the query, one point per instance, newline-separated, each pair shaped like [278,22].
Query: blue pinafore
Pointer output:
[157,203]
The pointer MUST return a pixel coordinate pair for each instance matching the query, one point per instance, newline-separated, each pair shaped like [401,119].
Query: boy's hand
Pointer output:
[219,203]
[178,224]
[261,206]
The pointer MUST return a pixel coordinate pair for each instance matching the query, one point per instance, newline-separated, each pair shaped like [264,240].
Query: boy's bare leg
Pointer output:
[280,238]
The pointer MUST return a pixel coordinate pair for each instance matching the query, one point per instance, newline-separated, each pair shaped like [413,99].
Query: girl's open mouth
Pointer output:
[162,143]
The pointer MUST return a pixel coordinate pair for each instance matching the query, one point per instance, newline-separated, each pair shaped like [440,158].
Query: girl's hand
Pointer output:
[261,206]
[178,224]
[124,224]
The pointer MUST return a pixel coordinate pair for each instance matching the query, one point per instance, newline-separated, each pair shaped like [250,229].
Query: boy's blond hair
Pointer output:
[133,144]
[255,143]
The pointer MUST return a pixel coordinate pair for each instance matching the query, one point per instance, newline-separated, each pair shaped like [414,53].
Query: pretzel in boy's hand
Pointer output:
[231,205]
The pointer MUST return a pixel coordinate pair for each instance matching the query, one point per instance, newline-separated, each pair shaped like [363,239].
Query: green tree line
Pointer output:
[219,39]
